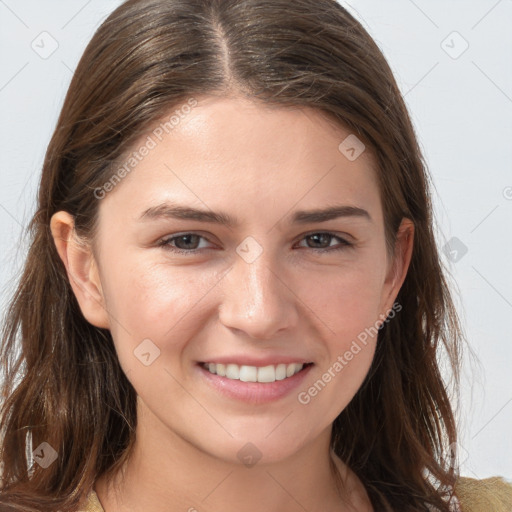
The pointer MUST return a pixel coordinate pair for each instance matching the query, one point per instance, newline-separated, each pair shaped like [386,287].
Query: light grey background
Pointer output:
[460,100]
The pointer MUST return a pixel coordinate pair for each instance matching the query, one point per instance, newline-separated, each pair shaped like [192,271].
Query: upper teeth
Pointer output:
[269,373]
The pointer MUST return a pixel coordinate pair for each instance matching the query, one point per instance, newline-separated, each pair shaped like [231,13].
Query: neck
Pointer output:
[166,472]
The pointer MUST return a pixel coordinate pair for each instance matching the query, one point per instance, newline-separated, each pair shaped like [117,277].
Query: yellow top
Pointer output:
[492,494]
[486,495]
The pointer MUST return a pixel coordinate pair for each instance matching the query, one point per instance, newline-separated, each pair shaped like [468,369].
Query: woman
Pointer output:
[264,367]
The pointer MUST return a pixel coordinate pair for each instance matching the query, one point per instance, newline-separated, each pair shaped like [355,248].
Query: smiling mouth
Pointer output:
[262,374]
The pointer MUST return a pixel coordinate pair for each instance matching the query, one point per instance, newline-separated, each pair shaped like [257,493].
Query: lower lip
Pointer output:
[254,392]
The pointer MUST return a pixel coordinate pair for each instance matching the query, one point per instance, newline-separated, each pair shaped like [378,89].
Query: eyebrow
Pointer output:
[175,211]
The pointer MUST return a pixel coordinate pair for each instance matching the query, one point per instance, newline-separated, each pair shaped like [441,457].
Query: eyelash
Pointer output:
[344,244]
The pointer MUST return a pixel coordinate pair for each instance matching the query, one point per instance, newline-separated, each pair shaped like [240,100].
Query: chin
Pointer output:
[256,449]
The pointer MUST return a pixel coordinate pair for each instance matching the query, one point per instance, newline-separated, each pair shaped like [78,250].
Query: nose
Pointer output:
[257,299]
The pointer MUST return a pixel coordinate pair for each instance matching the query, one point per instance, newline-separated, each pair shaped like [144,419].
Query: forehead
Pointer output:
[248,154]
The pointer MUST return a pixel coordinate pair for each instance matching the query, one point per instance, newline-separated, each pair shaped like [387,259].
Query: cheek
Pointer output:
[351,315]
[155,302]
[346,300]
[348,304]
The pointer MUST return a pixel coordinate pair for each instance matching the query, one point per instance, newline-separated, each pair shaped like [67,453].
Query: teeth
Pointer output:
[248,373]
[280,372]
[267,374]
[232,370]
[244,373]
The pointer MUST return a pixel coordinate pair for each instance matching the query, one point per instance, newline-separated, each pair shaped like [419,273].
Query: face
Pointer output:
[216,267]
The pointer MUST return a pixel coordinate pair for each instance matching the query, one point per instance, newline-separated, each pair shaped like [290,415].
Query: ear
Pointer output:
[398,267]
[81,269]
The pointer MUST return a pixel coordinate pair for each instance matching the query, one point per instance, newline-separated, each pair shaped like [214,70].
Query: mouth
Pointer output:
[255,385]
[260,374]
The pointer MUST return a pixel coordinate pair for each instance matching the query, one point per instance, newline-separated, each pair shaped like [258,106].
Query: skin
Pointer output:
[259,165]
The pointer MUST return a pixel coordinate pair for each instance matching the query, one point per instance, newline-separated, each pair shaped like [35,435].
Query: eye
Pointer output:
[186,243]
[323,239]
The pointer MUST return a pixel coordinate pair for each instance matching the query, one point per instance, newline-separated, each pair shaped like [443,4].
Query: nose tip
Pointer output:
[256,301]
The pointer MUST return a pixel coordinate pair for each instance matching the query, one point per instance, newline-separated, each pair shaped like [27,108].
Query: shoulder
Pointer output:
[92,503]
[484,495]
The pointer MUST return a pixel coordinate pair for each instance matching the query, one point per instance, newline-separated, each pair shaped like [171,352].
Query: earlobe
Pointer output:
[81,269]
[401,261]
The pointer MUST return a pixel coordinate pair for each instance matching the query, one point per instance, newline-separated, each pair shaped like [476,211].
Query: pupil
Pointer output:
[186,238]
[320,235]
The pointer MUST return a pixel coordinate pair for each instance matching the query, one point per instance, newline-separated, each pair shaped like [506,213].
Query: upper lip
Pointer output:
[245,360]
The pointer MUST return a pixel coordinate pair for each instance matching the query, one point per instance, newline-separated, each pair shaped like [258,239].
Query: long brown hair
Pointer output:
[63,384]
